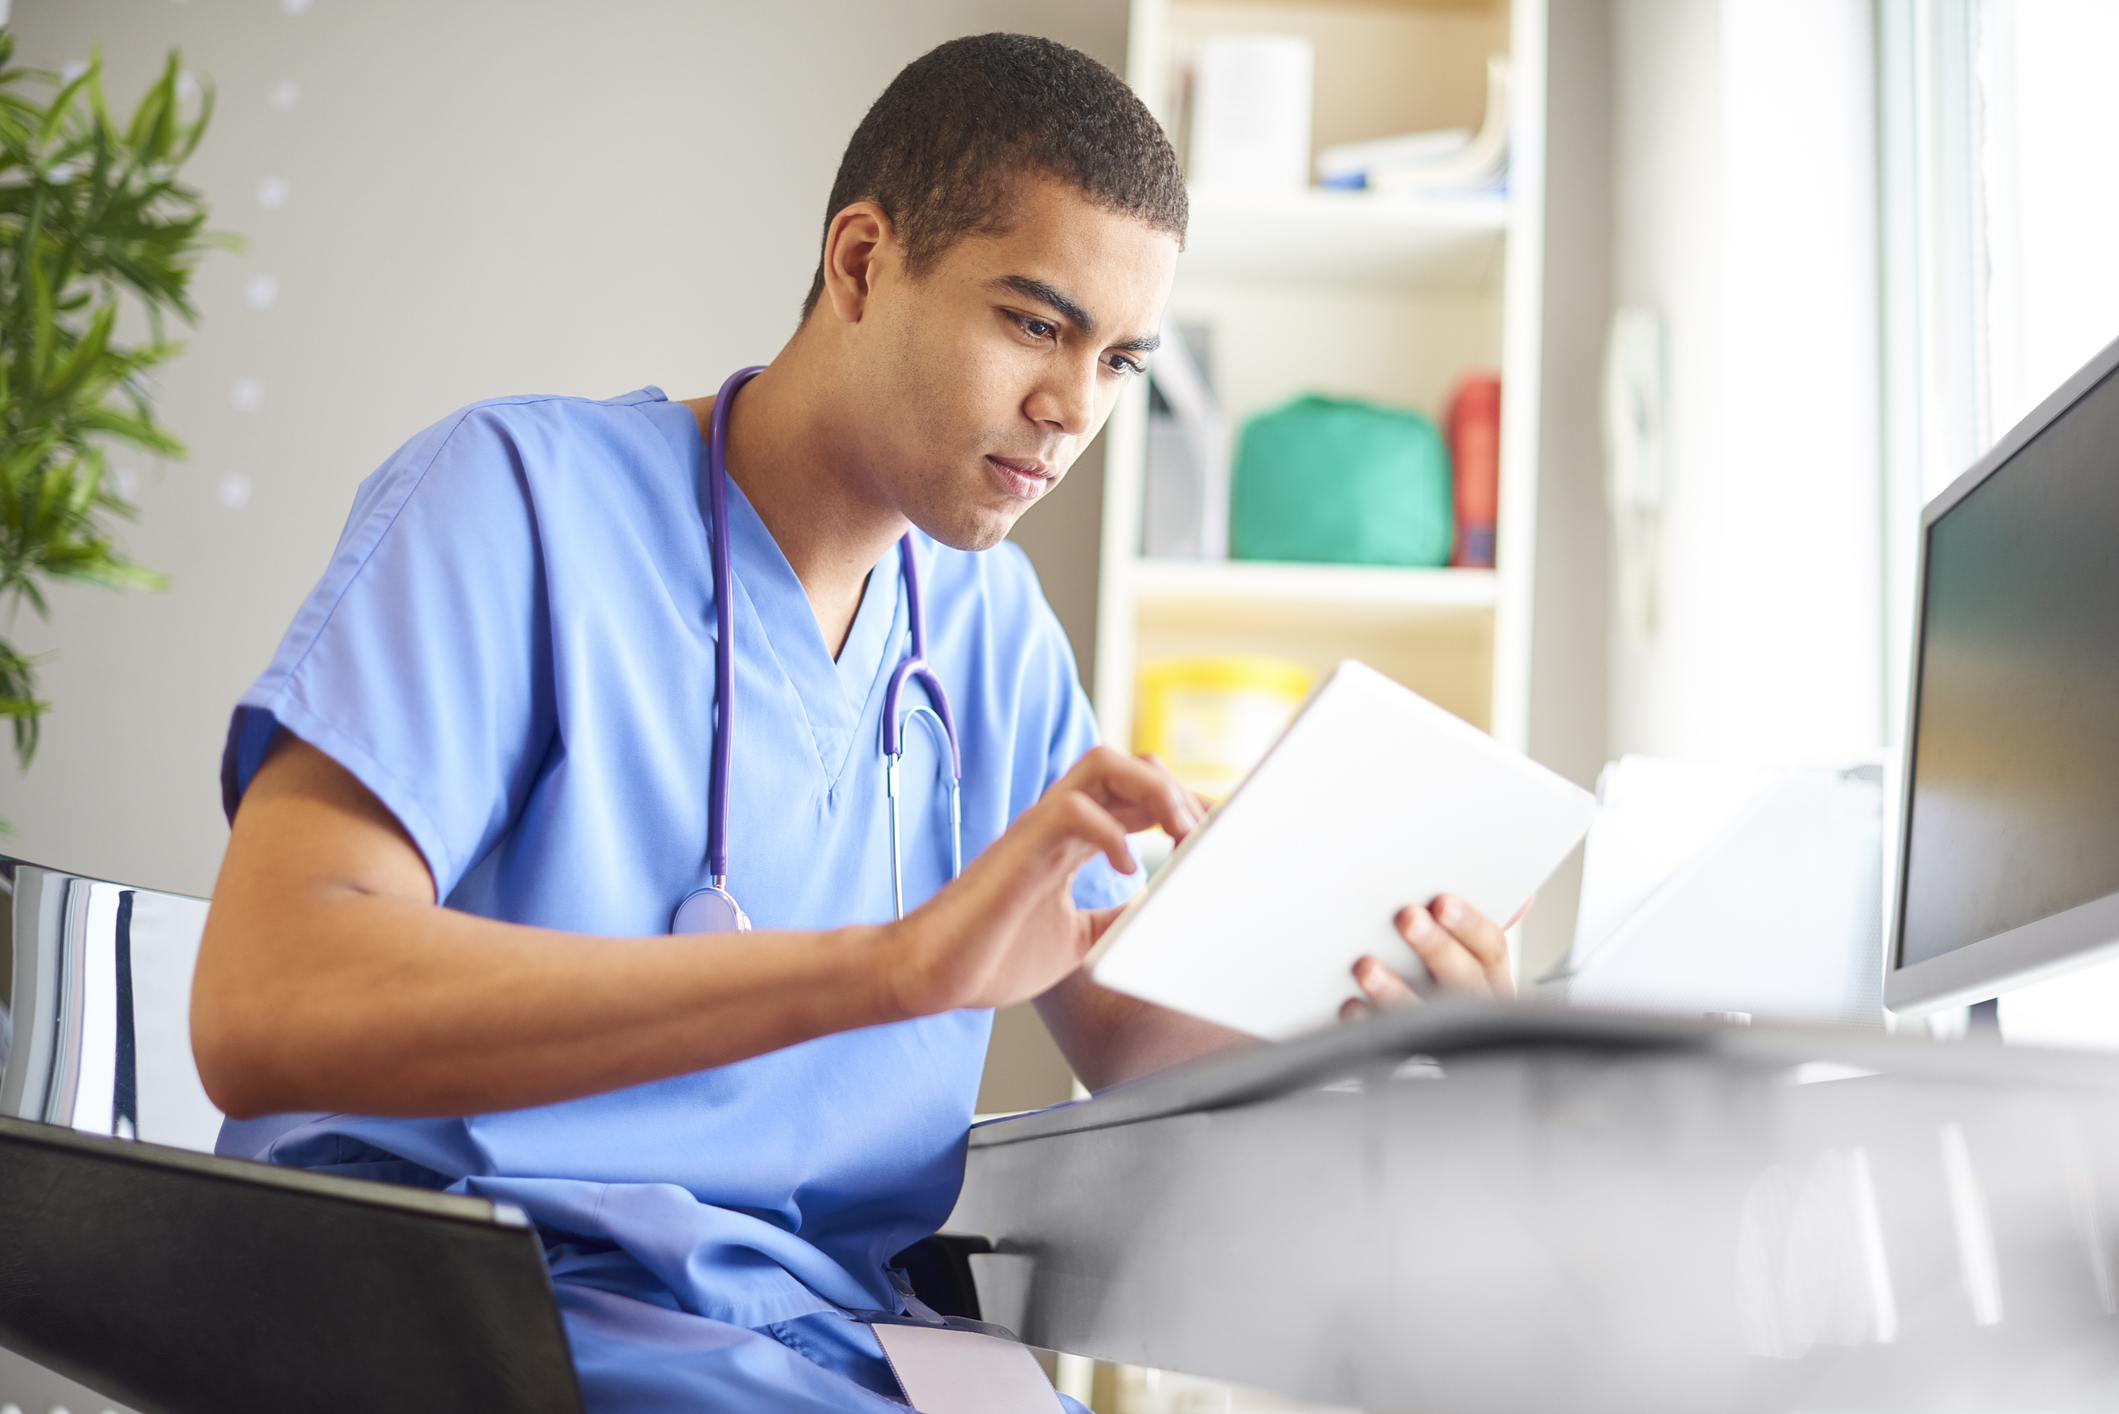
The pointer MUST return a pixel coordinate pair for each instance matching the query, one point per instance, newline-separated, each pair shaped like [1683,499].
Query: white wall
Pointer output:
[483,197]
[1744,209]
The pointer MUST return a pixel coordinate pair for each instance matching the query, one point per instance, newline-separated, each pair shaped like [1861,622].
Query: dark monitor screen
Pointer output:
[2013,812]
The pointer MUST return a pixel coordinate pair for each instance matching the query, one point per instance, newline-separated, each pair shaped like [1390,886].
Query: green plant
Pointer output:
[91,212]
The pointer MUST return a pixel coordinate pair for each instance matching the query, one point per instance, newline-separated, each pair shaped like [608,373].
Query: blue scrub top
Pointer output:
[513,648]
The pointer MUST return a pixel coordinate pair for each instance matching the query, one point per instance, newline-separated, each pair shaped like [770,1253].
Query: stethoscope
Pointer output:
[714,909]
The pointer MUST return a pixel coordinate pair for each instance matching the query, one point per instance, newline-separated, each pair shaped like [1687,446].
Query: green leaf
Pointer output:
[68,376]
[149,130]
[61,106]
[47,326]
[18,699]
[93,217]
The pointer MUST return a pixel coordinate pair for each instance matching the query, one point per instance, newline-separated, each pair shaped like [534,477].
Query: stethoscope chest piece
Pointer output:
[710,910]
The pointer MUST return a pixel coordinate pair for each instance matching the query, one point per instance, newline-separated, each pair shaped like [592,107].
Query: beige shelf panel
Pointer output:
[1442,651]
[1262,582]
[1480,7]
[1402,348]
[1445,245]
[1382,69]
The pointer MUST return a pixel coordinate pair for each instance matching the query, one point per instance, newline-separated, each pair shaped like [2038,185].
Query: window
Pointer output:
[1999,138]
[2049,145]
[2049,150]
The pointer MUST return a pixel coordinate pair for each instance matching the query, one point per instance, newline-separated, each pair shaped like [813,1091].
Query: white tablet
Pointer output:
[1371,799]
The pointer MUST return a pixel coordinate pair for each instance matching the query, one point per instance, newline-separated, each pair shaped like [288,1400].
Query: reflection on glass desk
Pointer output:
[1479,1207]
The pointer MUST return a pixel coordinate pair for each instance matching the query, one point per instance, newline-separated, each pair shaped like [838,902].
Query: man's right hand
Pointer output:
[1008,930]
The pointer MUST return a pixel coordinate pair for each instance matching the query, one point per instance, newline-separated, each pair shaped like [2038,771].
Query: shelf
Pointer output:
[1441,6]
[1443,653]
[1446,244]
[1364,294]
[1430,629]
[1258,581]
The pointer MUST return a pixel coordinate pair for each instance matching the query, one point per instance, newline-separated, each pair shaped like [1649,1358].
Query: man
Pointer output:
[473,787]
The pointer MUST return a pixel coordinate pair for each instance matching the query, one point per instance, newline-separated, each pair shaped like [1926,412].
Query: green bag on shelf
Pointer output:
[1339,481]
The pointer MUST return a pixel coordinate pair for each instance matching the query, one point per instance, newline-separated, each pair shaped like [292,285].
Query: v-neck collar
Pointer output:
[832,694]
[781,625]
[861,655]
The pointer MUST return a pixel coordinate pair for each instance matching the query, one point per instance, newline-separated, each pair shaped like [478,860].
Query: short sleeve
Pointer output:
[421,662]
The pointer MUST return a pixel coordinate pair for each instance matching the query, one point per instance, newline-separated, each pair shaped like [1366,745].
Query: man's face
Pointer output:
[981,381]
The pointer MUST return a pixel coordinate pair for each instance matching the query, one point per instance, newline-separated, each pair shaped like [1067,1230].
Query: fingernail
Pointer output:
[1450,908]
[1422,922]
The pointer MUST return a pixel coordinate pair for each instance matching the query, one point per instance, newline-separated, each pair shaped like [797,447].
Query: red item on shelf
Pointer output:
[1473,427]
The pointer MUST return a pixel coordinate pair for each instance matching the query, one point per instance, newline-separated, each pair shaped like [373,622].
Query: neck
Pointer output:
[800,469]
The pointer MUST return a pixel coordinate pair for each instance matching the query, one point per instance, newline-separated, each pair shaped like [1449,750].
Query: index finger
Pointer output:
[1481,937]
[1139,791]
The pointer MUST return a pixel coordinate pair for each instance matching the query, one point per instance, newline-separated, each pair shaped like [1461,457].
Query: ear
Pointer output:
[859,242]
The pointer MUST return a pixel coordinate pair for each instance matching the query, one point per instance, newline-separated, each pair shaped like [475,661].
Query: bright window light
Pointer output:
[2049,138]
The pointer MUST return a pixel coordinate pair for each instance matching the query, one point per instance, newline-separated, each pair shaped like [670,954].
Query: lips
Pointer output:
[1023,477]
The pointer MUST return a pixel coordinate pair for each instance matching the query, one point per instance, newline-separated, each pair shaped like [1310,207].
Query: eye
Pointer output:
[1039,329]
[1119,363]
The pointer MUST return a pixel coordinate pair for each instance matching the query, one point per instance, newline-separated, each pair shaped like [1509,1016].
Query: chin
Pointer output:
[973,532]
[983,537]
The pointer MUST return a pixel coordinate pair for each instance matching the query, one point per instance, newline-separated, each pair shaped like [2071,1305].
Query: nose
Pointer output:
[1065,399]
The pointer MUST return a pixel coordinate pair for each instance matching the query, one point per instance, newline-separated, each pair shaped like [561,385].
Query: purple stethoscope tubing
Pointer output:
[914,665]
[722,909]
[724,627]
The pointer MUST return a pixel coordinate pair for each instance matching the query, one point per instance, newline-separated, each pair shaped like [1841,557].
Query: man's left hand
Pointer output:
[1465,951]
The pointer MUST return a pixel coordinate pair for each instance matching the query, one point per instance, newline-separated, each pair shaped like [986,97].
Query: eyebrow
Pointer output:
[1075,314]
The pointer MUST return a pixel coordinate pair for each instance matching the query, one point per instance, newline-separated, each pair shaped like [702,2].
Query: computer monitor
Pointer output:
[2008,868]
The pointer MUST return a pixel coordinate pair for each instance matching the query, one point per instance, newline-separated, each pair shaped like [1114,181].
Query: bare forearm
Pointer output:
[1108,1037]
[330,979]
[399,1007]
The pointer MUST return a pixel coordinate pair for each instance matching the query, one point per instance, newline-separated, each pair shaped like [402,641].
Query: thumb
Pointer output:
[1101,919]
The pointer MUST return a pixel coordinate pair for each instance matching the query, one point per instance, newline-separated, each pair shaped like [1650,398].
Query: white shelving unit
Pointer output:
[1348,238]
[1356,293]
[1353,293]
[1251,581]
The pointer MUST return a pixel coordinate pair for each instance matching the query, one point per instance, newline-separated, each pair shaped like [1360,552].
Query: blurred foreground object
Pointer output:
[90,212]
[1492,1208]
[1725,889]
[136,1266]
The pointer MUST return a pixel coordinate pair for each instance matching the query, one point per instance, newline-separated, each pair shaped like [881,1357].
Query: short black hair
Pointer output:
[942,147]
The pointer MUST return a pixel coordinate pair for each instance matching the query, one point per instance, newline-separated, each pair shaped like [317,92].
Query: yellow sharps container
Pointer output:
[1210,719]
